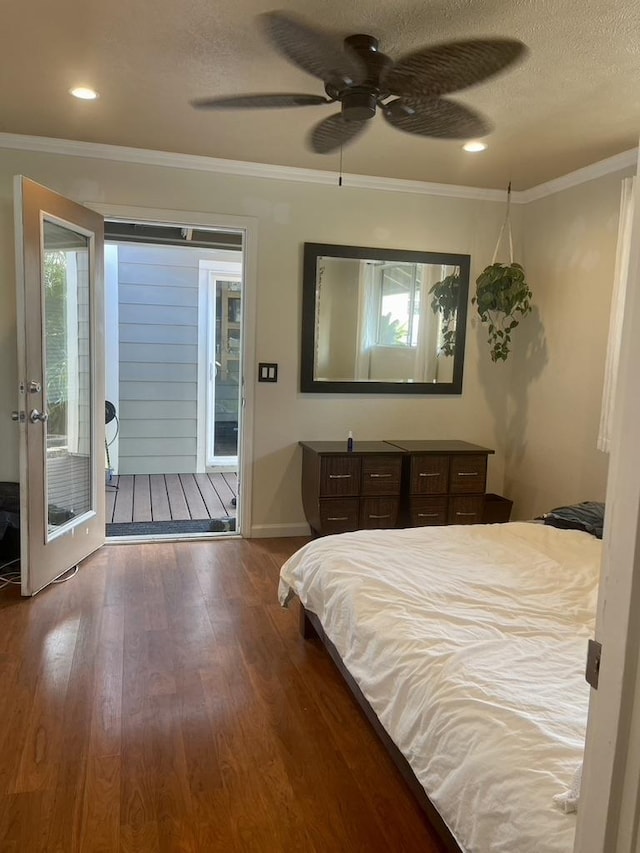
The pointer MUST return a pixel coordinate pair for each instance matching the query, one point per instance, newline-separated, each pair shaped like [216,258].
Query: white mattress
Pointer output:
[470,645]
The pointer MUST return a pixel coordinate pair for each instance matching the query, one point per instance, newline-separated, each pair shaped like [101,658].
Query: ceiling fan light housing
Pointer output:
[359,104]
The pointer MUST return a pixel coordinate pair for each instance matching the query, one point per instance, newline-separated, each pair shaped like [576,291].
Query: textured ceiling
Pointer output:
[575,100]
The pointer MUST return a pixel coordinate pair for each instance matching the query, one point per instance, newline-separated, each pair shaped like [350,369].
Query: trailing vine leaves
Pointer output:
[444,299]
[503,298]
[391,332]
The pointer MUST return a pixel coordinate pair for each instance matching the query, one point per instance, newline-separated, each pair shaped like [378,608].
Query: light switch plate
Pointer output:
[267,371]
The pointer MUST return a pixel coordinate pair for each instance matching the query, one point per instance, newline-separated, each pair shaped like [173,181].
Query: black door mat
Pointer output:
[154,528]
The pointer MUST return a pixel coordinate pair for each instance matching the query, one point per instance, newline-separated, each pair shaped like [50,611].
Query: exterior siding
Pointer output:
[158,331]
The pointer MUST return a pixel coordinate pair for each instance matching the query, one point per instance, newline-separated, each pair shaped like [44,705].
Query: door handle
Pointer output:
[35,416]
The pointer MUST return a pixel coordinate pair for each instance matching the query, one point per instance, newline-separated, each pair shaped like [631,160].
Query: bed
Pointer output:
[467,646]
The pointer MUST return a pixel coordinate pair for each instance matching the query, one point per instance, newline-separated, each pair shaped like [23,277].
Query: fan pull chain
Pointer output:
[505,224]
[340,177]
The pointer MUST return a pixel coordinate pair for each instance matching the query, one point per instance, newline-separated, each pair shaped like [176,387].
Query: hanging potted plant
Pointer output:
[445,300]
[503,296]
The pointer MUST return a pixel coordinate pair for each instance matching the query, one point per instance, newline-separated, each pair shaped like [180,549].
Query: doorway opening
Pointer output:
[173,335]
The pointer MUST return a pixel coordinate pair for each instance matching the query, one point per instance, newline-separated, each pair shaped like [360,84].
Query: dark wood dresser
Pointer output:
[392,484]
[444,482]
[350,489]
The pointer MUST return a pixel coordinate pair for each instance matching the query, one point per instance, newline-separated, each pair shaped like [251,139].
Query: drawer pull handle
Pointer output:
[429,514]
[380,475]
[371,515]
[424,474]
[338,518]
[339,476]
[466,513]
[468,473]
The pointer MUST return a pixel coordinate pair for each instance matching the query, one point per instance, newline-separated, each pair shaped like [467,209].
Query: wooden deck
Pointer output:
[170,497]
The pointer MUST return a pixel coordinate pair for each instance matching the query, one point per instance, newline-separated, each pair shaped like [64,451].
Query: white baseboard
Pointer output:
[272,531]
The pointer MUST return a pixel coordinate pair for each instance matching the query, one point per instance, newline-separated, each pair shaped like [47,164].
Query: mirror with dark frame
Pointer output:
[383,320]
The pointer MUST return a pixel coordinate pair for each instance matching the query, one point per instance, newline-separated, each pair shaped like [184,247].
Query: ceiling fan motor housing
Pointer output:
[359,99]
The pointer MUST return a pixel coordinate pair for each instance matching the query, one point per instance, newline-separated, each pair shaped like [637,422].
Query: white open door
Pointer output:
[59,265]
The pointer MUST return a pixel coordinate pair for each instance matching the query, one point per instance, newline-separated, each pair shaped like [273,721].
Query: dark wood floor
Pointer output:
[162,700]
[170,497]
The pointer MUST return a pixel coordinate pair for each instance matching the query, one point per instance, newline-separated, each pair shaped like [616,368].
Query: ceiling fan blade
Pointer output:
[449,67]
[314,51]
[332,132]
[436,117]
[267,100]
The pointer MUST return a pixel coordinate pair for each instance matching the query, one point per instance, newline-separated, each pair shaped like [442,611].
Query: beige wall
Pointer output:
[558,362]
[288,214]
[540,410]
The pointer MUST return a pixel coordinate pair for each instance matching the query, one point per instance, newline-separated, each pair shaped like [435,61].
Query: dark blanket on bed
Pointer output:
[587,516]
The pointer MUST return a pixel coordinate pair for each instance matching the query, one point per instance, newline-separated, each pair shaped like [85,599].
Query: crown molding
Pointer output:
[239,168]
[617,163]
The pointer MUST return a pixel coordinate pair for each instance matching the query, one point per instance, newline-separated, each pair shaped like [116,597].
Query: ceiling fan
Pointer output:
[358,76]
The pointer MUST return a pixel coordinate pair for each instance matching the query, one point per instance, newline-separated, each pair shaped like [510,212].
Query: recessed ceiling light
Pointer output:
[474,145]
[84,93]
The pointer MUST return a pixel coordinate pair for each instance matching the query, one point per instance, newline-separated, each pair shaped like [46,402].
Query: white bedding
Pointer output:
[469,643]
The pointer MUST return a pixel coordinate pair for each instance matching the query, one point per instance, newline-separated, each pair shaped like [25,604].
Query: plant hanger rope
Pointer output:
[506,224]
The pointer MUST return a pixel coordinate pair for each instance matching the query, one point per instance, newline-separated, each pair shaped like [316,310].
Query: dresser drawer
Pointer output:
[379,512]
[466,510]
[340,515]
[340,476]
[429,475]
[468,474]
[381,475]
[427,511]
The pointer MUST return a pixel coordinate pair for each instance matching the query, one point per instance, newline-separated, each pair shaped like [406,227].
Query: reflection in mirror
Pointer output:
[379,320]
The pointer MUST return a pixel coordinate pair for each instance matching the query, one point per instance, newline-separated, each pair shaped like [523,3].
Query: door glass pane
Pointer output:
[227,373]
[67,374]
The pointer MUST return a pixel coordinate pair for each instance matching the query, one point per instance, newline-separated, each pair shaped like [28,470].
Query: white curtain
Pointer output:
[367,319]
[621,276]
[425,365]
